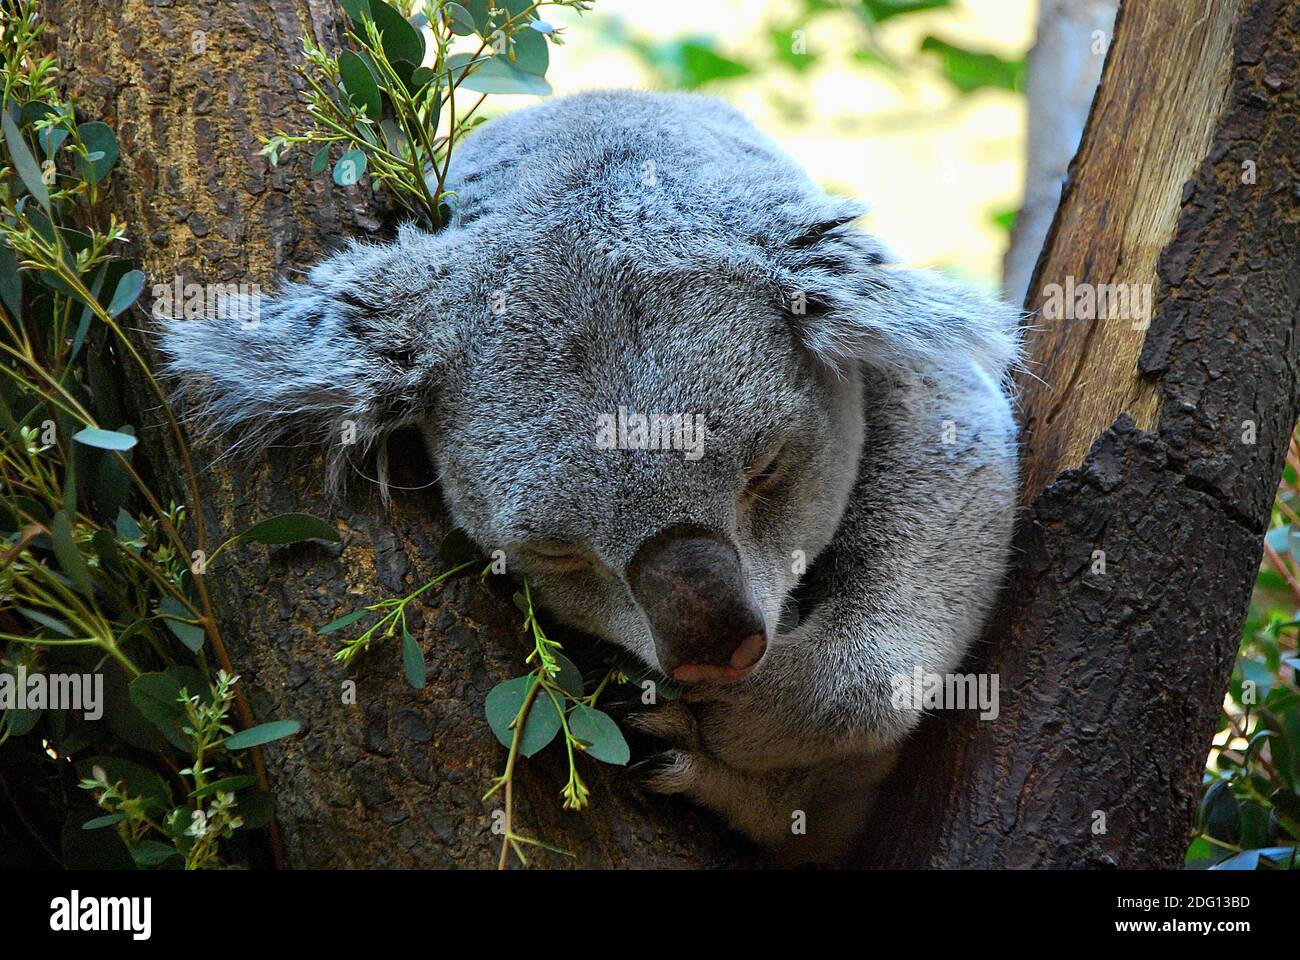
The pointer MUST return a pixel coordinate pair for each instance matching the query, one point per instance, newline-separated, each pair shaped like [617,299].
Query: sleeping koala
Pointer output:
[698,410]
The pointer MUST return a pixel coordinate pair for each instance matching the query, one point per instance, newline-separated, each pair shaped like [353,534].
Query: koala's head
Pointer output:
[657,419]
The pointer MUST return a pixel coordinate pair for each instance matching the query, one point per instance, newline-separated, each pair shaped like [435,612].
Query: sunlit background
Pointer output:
[914,106]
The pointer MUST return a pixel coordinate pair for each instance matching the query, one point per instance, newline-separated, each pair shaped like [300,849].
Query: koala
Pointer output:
[709,419]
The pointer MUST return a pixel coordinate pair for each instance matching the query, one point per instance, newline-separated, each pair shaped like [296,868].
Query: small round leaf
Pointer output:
[504,703]
[598,730]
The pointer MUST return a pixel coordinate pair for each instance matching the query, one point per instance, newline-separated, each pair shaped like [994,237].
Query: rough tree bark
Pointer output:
[1110,682]
[395,780]
[1159,447]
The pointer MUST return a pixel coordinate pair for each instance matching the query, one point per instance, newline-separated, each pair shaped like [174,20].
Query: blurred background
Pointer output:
[914,106]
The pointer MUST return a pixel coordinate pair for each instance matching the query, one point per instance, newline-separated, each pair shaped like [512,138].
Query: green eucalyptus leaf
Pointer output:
[58,626]
[1286,804]
[71,470]
[98,139]
[569,679]
[478,12]
[400,39]
[498,75]
[11,281]
[342,622]
[106,821]
[321,160]
[350,168]
[33,111]
[503,704]
[177,619]
[51,138]
[138,780]
[156,697]
[393,135]
[419,80]
[23,161]
[109,552]
[598,730]
[262,733]
[127,292]
[461,20]
[405,70]
[412,660]
[83,326]
[1246,860]
[1220,814]
[789,52]
[289,528]
[150,853]
[126,723]
[92,849]
[531,52]
[104,439]
[356,10]
[110,481]
[126,527]
[701,64]
[361,87]
[69,556]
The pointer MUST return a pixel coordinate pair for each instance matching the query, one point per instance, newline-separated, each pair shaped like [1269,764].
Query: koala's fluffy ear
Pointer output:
[360,343]
[850,304]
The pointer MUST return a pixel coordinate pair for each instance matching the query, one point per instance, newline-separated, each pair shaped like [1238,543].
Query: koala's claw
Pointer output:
[673,722]
[671,771]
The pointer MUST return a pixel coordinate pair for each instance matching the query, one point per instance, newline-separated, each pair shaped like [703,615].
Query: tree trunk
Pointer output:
[396,779]
[1151,462]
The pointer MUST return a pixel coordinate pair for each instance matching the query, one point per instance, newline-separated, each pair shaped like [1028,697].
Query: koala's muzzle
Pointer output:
[689,583]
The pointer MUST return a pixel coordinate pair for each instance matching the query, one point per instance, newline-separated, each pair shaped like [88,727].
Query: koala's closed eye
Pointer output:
[766,471]
[557,553]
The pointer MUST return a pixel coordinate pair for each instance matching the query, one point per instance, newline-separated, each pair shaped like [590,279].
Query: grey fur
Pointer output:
[656,252]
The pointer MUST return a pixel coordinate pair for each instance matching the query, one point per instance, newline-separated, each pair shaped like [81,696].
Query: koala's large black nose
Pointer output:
[706,625]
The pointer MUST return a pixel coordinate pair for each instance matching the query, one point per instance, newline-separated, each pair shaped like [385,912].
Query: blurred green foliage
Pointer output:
[1249,815]
[691,62]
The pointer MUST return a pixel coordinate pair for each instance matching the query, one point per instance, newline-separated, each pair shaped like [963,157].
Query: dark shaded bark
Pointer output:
[1111,682]
[395,780]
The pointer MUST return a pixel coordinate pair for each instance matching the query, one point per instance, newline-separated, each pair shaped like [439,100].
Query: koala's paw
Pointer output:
[683,768]
[747,804]
[688,768]
[673,771]
[672,722]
